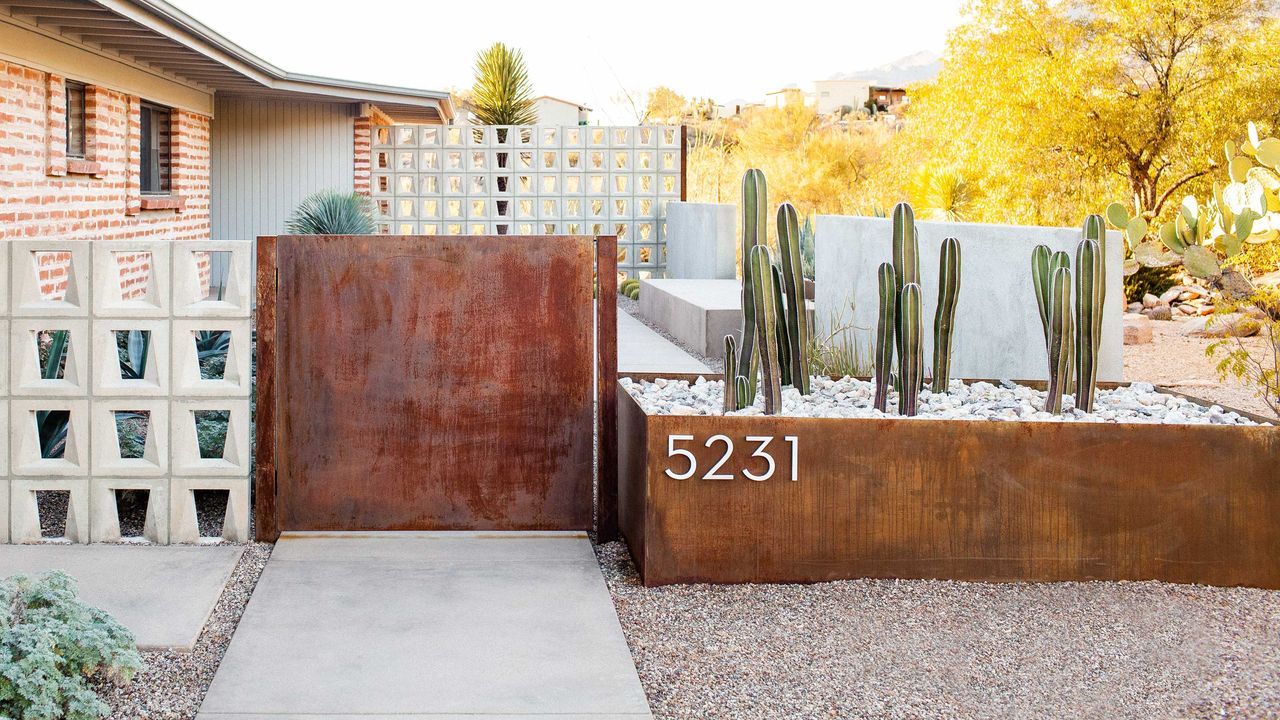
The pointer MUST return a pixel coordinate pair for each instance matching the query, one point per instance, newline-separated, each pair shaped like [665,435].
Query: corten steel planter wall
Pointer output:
[961,500]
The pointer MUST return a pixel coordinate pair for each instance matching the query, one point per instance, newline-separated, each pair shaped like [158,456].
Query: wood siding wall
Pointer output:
[270,154]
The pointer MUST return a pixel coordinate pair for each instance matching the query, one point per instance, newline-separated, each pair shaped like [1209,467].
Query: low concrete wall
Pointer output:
[700,241]
[997,333]
[698,313]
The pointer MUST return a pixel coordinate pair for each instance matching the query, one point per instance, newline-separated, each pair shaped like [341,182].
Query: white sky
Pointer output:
[585,51]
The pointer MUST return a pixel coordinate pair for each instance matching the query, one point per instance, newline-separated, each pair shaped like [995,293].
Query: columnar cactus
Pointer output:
[730,362]
[1060,339]
[944,314]
[1089,300]
[1095,229]
[884,335]
[783,327]
[793,281]
[1044,265]
[910,356]
[765,328]
[906,254]
[755,204]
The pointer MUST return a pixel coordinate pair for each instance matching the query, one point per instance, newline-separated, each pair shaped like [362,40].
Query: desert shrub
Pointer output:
[330,212]
[1153,280]
[1258,368]
[52,646]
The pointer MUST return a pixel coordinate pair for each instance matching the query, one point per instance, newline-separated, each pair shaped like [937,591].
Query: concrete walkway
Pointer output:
[163,594]
[428,625]
[641,350]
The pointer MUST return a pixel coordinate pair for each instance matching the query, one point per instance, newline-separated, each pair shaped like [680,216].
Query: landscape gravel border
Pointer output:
[172,684]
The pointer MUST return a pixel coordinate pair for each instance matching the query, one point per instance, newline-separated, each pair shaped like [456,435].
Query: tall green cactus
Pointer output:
[944,314]
[793,281]
[906,255]
[730,362]
[1089,299]
[755,214]
[766,329]
[1060,339]
[910,359]
[1095,229]
[884,335]
[783,328]
[1042,282]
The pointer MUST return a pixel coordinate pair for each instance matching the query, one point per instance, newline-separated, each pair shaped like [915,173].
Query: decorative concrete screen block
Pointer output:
[183,520]
[213,280]
[104,525]
[130,279]
[497,180]
[700,241]
[107,345]
[50,279]
[30,345]
[997,330]
[131,357]
[129,437]
[211,357]
[210,437]
[24,509]
[49,436]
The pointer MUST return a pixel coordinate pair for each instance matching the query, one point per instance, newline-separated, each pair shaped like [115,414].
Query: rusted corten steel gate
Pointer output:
[435,383]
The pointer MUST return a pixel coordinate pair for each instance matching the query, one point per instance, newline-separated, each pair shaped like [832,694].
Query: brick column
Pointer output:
[363,155]
[55,113]
[133,157]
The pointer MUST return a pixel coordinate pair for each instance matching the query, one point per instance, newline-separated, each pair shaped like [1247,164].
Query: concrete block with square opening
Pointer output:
[50,278]
[193,376]
[27,371]
[184,520]
[24,509]
[187,458]
[114,371]
[106,497]
[114,432]
[131,278]
[212,279]
[30,454]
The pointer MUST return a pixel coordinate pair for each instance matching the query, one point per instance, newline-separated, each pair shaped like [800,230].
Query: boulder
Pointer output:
[1150,301]
[1221,326]
[1172,294]
[1159,312]
[1137,329]
[1135,307]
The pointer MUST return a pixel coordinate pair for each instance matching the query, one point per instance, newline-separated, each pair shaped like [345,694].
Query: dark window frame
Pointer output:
[155,145]
[77,119]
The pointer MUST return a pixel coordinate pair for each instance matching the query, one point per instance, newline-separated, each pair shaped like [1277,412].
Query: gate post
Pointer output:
[606,380]
[264,478]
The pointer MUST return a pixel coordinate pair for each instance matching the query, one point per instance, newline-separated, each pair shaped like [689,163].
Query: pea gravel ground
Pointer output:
[173,684]
[933,649]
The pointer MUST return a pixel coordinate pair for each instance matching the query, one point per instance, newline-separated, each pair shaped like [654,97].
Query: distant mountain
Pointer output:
[916,67]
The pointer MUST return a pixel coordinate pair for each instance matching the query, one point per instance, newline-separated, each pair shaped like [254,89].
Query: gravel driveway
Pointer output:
[934,649]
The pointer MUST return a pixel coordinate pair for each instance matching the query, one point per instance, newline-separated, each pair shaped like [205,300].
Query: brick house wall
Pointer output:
[48,195]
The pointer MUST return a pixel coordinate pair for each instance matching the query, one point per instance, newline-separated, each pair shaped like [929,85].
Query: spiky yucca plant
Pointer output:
[330,212]
[502,93]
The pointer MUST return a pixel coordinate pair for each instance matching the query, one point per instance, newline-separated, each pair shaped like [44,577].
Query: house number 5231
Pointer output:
[760,466]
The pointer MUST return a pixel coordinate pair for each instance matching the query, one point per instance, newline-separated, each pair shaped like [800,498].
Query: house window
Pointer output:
[75,93]
[154,127]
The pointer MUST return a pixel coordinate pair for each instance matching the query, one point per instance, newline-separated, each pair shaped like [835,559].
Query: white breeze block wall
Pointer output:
[540,180]
[700,241]
[92,290]
[997,329]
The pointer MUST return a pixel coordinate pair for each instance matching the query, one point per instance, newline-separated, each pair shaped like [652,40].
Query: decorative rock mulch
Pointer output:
[853,398]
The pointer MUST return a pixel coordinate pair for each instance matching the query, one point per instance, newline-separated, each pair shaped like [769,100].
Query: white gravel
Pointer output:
[172,684]
[941,649]
[853,398]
